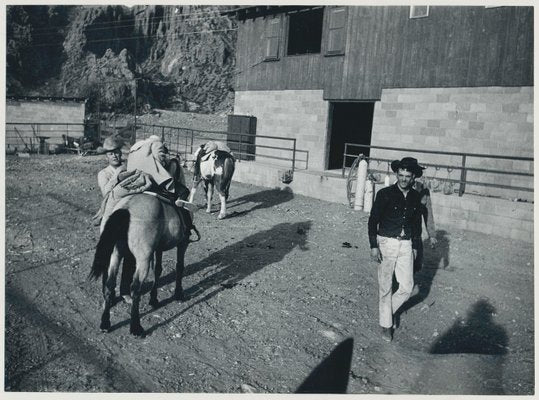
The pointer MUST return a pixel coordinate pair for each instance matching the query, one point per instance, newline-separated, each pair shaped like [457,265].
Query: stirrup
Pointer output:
[185,204]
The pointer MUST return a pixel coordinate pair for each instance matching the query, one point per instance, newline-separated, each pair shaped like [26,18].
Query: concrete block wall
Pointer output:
[486,120]
[319,186]
[299,114]
[499,217]
[44,111]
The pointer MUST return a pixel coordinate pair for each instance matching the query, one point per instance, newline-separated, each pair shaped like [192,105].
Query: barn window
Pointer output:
[336,31]
[273,35]
[419,11]
[305,32]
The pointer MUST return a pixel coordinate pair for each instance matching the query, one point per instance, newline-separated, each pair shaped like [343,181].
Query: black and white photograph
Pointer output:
[276,199]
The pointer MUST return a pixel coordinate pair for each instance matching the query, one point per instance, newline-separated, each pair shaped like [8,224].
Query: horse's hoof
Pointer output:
[221,216]
[136,330]
[179,296]
[105,327]
[154,303]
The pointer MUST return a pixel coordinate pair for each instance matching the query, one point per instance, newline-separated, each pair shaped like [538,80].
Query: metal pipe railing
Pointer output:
[243,143]
[463,181]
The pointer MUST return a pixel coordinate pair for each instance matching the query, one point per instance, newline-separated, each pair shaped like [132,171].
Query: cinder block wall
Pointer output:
[300,114]
[498,217]
[488,120]
[44,111]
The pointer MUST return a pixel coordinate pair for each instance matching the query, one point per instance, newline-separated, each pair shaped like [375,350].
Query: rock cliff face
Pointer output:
[179,57]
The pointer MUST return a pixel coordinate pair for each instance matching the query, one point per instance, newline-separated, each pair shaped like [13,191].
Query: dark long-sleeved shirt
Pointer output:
[392,214]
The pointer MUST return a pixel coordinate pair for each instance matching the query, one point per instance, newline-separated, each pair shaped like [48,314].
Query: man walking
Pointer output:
[394,237]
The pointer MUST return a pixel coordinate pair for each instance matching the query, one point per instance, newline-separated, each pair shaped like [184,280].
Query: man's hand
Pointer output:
[414,251]
[376,255]
[432,241]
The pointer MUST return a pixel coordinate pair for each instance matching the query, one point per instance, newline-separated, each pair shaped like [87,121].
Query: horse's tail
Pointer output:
[228,171]
[115,229]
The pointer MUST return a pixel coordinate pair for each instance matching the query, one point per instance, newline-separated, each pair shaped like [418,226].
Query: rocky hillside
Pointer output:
[173,57]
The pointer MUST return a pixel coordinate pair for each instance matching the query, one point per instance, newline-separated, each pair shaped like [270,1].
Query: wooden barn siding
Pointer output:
[289,72]
[452,47]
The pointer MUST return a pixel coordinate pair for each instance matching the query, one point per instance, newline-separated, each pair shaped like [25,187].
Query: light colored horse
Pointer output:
[216,170]
[141,224]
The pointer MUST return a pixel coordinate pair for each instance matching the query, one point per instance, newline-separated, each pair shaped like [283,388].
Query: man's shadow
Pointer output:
[263,199]
[478,334]
[434,259]
[230,265]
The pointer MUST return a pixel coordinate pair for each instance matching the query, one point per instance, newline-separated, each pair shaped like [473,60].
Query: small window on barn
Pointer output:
[419,11]
[273,35]
[336,31]
[305,31]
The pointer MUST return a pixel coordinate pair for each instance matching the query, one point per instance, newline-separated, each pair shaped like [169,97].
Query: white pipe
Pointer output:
[360,187]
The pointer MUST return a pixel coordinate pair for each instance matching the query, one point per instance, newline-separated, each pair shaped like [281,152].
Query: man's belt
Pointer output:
[399,237]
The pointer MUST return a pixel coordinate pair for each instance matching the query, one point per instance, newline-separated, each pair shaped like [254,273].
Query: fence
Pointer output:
[35,137]
[185,141]
[513,179]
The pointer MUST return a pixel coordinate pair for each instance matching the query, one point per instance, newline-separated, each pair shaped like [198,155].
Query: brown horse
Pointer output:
[142,225]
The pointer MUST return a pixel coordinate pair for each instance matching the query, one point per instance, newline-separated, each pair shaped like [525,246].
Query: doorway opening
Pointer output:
[350,122]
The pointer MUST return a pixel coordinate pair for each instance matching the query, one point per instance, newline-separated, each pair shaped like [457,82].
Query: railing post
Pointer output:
[186,144]
[344,158]
[462,185]
[163,134]
[294,155]
[241,150]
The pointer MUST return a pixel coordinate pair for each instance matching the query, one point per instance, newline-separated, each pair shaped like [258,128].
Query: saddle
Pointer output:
[134,182]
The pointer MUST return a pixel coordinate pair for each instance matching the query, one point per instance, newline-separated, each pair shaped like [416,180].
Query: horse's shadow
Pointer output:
[264,199]
[230,265]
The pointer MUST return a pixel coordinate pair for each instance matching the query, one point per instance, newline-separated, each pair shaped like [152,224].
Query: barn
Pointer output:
[449,85]
[31,121]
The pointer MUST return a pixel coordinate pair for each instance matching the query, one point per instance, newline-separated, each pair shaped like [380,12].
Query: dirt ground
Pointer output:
[275,292]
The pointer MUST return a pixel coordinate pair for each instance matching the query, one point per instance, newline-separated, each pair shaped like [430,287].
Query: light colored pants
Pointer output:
[397,258]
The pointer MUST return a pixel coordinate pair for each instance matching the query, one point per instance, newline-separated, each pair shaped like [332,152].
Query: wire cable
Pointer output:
[136,37]
[161,18]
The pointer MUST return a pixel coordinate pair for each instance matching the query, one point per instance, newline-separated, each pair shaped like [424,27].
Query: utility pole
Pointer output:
[134,136]
[98,113]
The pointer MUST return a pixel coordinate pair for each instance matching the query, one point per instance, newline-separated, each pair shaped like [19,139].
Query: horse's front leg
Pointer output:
[193,191]
[143,266]
[209,195]
[180,265]
[109,286]
[158,270]
[222,213]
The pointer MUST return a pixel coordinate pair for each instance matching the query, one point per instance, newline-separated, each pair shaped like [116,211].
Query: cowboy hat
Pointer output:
[110,144]
[409,164]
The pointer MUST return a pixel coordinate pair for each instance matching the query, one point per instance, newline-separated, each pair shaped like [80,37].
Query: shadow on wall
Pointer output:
[263,199]
[331,375]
